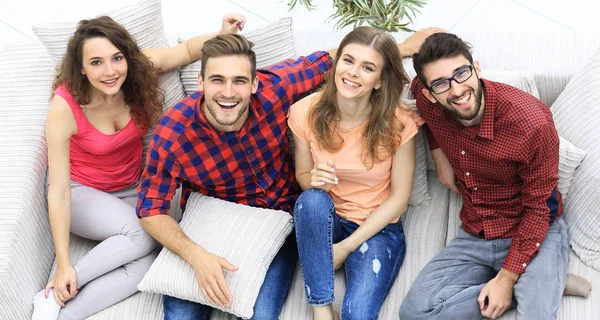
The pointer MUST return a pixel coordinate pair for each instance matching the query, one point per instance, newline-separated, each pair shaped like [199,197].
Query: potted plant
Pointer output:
[389,15]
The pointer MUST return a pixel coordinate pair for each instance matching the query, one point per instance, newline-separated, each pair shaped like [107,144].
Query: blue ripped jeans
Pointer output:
[370,269]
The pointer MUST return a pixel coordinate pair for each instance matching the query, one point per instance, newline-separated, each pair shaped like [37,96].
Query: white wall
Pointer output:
[574,16]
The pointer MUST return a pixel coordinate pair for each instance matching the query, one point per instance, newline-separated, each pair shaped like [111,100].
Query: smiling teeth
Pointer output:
[463,100]
[351,83]
[110,81]
[227,104]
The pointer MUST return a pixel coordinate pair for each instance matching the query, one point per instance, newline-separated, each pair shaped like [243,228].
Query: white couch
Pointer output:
[26,249]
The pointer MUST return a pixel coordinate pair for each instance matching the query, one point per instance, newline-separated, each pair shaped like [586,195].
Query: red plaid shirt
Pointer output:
[507,167]
[251,166]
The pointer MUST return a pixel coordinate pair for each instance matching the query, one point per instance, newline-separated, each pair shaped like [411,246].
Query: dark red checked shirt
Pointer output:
[251,166]
[507,167]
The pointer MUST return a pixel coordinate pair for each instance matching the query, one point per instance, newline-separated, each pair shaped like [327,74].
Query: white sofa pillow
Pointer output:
[248,237]
[576,114]
[272,43]
[144,22]
[570,157]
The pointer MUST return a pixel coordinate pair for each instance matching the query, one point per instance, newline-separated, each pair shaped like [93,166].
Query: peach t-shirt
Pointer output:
[360,190]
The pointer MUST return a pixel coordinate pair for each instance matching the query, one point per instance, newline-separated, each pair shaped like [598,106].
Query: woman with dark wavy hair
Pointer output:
[105,97]
[355,159]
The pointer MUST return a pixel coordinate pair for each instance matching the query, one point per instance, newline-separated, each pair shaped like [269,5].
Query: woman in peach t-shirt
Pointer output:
[355,159]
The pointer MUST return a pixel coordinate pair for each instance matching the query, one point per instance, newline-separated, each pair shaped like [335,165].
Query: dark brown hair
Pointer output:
[228,45]
[438,46]
[140,89]
[382,128]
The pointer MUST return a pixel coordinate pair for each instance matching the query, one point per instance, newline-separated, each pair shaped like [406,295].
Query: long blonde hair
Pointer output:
[382,127]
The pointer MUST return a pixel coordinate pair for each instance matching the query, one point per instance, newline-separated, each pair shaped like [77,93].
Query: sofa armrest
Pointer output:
[26,249]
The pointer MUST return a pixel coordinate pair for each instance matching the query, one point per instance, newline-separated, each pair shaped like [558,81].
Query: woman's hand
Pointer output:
[232,22]
[64,284]
[322,176]
[340,254]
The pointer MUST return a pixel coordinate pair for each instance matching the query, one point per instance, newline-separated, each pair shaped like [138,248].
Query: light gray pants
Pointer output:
[111,271]
[448,286]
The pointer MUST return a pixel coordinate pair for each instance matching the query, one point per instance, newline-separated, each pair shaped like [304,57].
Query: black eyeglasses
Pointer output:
[462,75]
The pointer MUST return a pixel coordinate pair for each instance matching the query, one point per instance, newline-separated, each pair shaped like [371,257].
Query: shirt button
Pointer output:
[468,174]
[462,152]
[475,188]
[524,265]
[537,244]
[248,151]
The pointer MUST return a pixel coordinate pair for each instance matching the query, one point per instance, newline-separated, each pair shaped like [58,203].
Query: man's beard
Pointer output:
[457,114]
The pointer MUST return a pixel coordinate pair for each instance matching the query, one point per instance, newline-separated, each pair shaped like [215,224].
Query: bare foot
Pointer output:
[577,286]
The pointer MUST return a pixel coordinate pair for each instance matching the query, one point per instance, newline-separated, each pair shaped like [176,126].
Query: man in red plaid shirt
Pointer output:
[497,146]
[228,141]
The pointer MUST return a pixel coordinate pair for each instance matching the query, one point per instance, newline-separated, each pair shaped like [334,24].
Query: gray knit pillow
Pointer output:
[248,237]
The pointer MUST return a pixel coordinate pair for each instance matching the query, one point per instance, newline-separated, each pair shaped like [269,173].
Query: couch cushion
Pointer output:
[247,237]
[577,116]
[272,43]
[144,22]
[26,250]
[570,157]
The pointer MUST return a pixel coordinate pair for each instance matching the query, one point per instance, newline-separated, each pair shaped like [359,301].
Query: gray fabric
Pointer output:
[111,271]
[577,116]
[26,250]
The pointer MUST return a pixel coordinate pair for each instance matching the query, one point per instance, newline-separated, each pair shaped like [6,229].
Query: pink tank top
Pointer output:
[107,162]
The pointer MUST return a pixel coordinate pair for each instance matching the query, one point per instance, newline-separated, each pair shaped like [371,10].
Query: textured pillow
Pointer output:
[420,189]
[576,115]
[144,22]
[570,159]
[247,237]
[272,44]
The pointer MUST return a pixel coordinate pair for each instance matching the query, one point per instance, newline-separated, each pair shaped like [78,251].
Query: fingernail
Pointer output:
[332,170]
[330,162]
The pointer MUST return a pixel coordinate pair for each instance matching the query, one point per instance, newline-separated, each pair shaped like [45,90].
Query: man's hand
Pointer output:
[412,44]
[498,293]
[340,254]
[208,269]
[232,22]
[444,171]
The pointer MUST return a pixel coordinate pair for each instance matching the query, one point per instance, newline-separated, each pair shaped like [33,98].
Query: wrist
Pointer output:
[195,254]
[63,263]
[346,246]
[507,275]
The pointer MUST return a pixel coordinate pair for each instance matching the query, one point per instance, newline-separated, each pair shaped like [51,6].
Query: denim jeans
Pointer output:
[370,270]
[271,297]
[448,286]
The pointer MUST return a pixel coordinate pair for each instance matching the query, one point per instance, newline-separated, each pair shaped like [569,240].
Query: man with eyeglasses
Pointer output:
[497,146]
